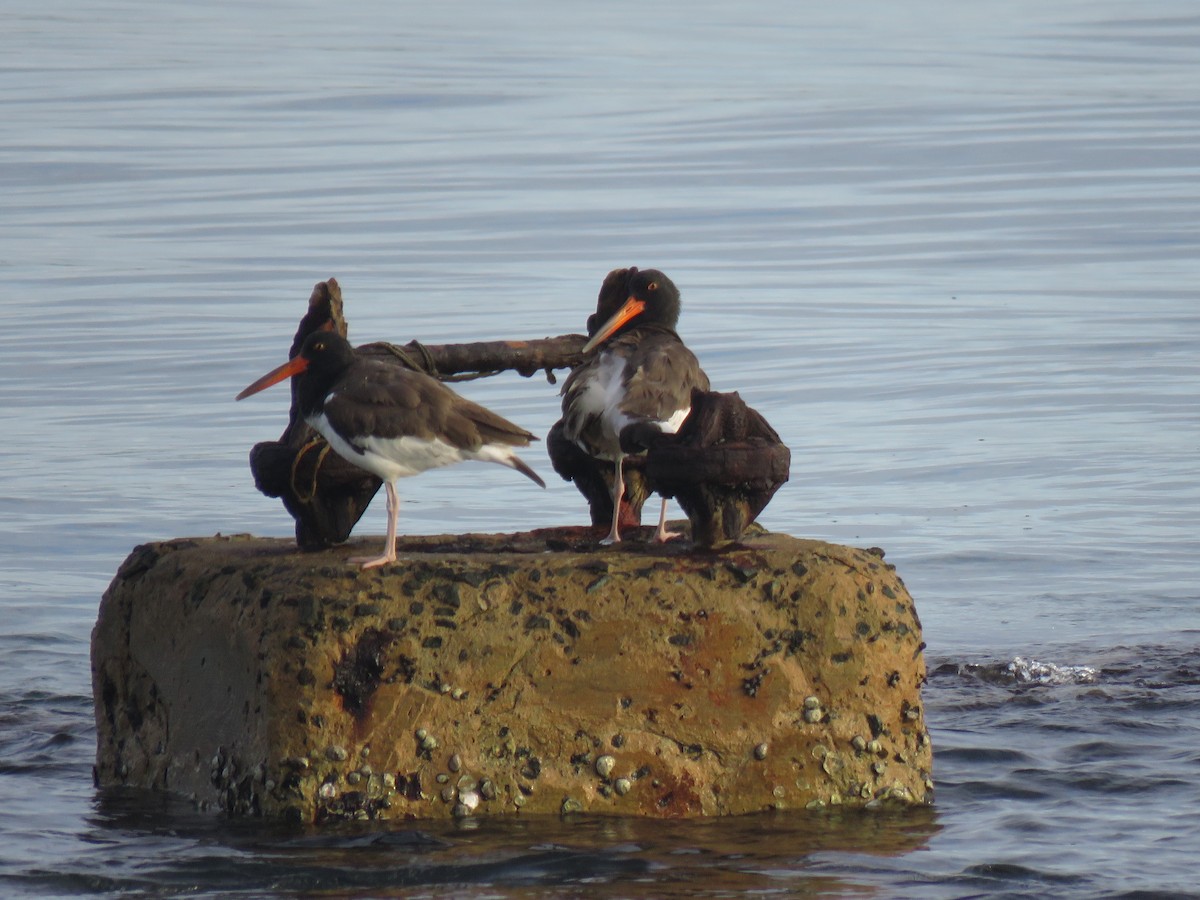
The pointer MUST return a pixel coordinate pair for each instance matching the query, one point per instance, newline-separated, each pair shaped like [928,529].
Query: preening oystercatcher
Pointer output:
[641,376]
[391,421]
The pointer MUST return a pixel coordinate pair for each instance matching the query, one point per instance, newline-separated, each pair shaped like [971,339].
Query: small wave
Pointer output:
[43,733]
[1021,671]
[1030,671]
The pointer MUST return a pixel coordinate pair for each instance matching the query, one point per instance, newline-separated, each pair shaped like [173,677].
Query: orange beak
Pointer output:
[293,366]
[633,307]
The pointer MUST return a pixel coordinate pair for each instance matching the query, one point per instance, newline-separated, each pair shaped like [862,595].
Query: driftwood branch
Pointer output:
[723,467]
[457,362]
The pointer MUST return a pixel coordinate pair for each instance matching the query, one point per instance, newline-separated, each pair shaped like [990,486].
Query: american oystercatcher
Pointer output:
[642,377]
[391,421]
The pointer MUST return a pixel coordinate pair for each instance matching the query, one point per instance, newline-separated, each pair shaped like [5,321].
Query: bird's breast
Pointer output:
[608,397]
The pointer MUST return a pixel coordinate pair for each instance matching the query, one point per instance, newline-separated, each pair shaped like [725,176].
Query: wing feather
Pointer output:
[391,402]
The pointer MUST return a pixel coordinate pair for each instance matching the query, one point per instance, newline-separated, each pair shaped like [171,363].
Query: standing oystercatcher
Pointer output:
[642,376]
[391,421]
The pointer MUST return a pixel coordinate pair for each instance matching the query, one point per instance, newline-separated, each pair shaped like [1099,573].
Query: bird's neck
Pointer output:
[311,390]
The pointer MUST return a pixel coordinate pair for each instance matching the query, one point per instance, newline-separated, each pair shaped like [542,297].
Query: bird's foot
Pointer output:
[661,535]
[374,562]
[612,538]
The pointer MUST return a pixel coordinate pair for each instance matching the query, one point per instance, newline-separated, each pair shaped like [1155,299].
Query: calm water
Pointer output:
[949,250]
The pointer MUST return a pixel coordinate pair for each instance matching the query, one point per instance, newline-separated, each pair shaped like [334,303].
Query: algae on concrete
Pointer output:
[498,674]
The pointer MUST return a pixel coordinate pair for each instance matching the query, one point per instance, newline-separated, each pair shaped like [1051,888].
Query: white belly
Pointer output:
[391,458]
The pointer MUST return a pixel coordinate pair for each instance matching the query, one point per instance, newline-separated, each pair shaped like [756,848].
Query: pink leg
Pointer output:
[614,534]
[389,550]
[661,534]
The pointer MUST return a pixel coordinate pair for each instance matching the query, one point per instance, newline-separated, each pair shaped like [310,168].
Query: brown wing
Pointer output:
[661,378]
[482,426]
[389,401]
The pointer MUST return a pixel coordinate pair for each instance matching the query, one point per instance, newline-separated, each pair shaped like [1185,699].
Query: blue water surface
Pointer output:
[948,250]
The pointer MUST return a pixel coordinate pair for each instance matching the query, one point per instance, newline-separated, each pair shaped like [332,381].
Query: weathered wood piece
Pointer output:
[323,493]
[723,466]
[458,362]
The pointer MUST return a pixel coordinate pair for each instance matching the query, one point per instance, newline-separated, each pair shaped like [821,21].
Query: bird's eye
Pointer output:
[652,286]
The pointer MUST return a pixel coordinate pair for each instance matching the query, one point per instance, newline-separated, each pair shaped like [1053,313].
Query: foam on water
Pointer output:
[1027,671]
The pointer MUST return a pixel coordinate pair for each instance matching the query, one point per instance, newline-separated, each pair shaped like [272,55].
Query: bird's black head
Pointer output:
[323,357]
[631,298]
[326,353]
[659,294]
